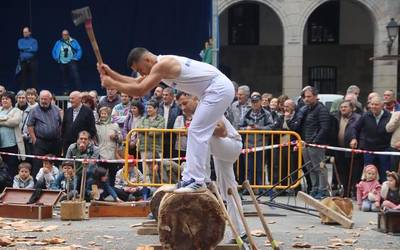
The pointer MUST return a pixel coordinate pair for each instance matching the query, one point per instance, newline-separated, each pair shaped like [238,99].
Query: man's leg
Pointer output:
[74,73]
[321,172]
[211,108]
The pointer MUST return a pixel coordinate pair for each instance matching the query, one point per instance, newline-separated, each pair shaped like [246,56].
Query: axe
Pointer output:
[83,15]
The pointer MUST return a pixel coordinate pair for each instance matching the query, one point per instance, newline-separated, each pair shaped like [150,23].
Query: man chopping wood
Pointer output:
[214,90]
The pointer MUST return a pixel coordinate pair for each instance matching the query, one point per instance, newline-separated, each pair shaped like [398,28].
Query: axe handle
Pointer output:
[92,38]
[274,244]
[246,226]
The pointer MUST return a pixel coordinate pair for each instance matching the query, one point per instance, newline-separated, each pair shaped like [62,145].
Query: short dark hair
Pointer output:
[139,106]
[351,105]
[135,55]
[67,163]
[26,165]
[11,96]
[152,103]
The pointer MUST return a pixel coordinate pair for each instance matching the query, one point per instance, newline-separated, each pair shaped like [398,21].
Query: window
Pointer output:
[243,22]
[323,78]
[323,24]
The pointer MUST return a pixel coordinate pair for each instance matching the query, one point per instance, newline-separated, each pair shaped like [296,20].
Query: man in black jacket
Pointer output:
[370,134]
[313,121]
[77,118]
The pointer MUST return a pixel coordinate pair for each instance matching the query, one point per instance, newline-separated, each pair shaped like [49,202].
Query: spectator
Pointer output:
[256,118]
[44,126]
[343,126]
[100,179]
[150,143]
[281,101]
[77,118]
[158,94]
[95,96]
[126,192]
[314,122]
[370,96]
[274,109]
[188,105]
[2,90]
[352,89]
[390,103]
[121,110]
[27,62]
[23,179]
[67,181]
[353,99]
[67,52]
[89,102]
[21,100]
[369,190]
[109,137]
[370,134]
[10,134]
[169,110]
[47,174]
[5,178]
[31,97]
[25,108]
[83,148]
[265,99]
[110,100]
[390,192]
[239,108]
[206,52]
[393,126]
[135,114]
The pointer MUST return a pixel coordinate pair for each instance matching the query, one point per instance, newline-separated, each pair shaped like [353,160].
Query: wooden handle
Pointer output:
[213,188]
[92,38]
[246,227]
[274,244]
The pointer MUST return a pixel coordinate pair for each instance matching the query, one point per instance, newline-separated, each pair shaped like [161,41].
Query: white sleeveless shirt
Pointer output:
[195,77]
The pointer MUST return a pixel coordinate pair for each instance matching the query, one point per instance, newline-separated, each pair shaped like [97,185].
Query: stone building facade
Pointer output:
[285,59]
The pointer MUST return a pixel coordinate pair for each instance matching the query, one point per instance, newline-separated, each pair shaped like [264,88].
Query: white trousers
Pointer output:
[225,152]
[213,103]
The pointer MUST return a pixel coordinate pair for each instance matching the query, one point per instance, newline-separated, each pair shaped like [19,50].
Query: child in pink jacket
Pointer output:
[369,190]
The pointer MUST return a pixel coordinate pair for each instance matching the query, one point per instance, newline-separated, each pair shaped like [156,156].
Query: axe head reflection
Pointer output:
[81,15]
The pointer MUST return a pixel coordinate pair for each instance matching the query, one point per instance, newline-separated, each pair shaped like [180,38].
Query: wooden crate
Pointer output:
[114,209]
[13,204]
[389,221]
[159,247]
[73,210]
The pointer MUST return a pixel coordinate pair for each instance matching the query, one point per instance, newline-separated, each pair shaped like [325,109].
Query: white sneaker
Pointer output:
[190,186]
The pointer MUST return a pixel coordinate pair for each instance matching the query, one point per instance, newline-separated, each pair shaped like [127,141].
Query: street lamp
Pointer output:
[393,29]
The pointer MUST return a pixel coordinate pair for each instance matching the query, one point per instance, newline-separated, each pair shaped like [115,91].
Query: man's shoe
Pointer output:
[190,186]
[244,238]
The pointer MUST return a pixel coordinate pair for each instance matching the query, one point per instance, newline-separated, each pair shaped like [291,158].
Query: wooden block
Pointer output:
[342,220]
[159,247]
[118,211]
[147,231]
[389,221]
[26,211]
[73,210]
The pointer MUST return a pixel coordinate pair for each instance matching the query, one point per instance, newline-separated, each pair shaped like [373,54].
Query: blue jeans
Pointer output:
[382,162]
[255,169]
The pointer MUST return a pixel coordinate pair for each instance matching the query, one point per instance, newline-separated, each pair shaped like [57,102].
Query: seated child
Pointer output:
[100,179]
[391,191]
[369,190]
[127,193]
[47,174]
[66,181]
[24,179]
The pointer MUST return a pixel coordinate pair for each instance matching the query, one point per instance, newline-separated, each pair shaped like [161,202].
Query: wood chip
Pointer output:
[350,241]
[301,245]
[6,241]
[55,240]
[258,233]
[50,228]
[299,236]
[301,228]
[319,247]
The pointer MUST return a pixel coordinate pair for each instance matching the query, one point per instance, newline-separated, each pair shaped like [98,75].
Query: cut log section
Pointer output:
[156,200]
[190,221]
[328,212]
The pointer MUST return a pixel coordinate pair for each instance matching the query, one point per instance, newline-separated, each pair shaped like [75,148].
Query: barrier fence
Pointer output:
[268,158]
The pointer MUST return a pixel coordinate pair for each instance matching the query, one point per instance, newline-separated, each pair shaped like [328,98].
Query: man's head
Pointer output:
[353,89]
[45,98]
[187,103]
[265,99]
[65,35]
[26,32]
[75,98]
[141,60]
[2,90]
[310,96]
[21,98]
[346,108]
[388,96]
[83,140]
[376,105]
[289,106]
[158,93]
[111,93]
[243,94]
[351,97]
[125,99]
[168,96]
[255,102]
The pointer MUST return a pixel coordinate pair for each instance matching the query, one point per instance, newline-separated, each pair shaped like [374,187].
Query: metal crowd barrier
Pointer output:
[268,159]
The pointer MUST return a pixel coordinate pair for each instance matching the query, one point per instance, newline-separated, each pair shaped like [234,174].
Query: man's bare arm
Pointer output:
[105,69]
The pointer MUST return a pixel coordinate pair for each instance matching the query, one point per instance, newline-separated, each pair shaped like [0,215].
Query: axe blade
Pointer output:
[81,15]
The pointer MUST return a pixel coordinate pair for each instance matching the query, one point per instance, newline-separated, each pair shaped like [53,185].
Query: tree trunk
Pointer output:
[156,200]
[190,221]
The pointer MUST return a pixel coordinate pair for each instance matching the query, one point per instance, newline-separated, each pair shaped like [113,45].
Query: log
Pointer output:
[190,221]
[343,206]
[156,200]
[328,212]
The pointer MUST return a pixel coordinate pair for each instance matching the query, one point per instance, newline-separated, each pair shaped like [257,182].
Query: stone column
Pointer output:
[292,68]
